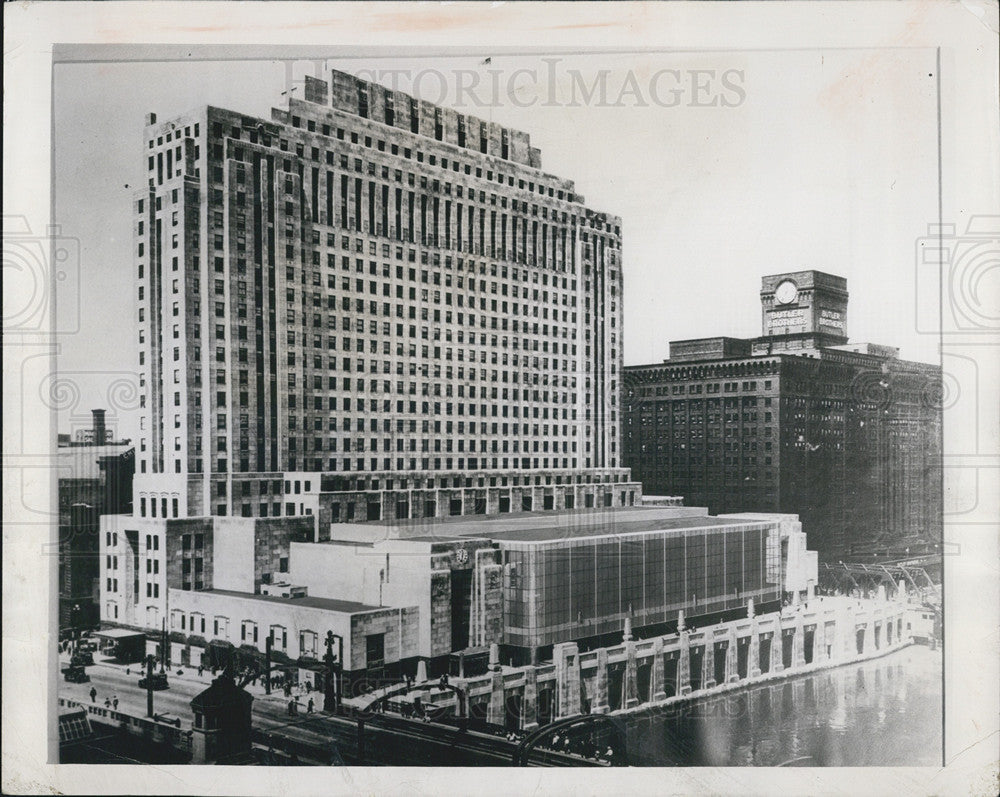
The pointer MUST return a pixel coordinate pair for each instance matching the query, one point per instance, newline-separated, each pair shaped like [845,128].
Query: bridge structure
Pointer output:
[868,576]
[603,724]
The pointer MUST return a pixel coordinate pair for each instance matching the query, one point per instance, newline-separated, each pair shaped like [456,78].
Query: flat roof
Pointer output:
[547,526]
[617,528]
[326,604]
[81,462]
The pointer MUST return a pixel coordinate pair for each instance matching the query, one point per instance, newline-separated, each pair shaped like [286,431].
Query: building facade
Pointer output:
[93,479]
[394,593]
[368,294]
[847,436]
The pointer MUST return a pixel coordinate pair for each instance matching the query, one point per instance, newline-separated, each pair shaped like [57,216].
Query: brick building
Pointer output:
[847,436]
[366,309]
[362,302]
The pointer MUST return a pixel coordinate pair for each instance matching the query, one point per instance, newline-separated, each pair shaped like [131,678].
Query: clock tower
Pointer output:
[802,310]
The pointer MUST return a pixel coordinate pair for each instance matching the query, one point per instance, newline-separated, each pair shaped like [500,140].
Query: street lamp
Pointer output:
[332,686]
[74,621]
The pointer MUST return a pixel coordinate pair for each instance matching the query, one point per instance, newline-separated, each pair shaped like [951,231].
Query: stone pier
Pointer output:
[835,623]
[657,688]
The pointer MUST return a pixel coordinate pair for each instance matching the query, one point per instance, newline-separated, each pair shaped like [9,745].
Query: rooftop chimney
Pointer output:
[100,435]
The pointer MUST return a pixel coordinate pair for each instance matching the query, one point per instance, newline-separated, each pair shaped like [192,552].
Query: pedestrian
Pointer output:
[107,702]
[128,670]
[201,670]
[115,702]
[93,694]
[311,705]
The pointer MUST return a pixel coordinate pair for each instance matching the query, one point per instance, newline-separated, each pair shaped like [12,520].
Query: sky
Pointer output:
[724,167]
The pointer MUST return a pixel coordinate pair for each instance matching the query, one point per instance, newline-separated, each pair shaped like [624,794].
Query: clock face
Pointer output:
[786,292]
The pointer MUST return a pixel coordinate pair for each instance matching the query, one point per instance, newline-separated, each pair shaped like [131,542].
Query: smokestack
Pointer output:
[100,435]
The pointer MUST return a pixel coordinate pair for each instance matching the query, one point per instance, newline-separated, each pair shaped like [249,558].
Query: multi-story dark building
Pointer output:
[93,479]
[847,436]
[369,307]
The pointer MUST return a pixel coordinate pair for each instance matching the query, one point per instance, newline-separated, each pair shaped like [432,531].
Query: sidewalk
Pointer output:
[190,675]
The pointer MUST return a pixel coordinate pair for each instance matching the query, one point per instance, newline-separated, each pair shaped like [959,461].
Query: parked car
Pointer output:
[76,674]
[159,681]
[82,658]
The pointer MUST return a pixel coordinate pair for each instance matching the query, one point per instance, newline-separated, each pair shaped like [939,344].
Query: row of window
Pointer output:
[195,623]
[712,387]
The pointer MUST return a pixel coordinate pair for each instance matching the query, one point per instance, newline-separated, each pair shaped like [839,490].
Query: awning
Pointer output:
[119,633]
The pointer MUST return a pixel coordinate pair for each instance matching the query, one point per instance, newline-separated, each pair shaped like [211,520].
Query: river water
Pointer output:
[883,712]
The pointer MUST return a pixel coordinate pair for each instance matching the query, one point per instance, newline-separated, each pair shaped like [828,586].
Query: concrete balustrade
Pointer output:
[573,677]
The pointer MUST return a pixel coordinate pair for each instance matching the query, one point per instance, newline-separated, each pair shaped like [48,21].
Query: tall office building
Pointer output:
[370,307]
[847,436]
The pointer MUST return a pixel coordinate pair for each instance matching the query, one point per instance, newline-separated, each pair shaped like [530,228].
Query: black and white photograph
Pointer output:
[448,386]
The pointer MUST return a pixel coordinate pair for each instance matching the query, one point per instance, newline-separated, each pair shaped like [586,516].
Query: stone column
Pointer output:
[630,686]
[777,647]
[599,704]
[529,706]
[708,662]
[732,654]
[870,634]
[819,640]
[684,665]
[799,643]
[844,634]
[658,689]
[567,660]
[753,654]
[496,710]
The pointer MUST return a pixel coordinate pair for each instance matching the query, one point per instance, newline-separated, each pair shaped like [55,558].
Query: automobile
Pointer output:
[82,658]
[158,682]
[76,674]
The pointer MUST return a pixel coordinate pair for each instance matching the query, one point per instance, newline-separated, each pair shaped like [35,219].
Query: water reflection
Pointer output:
[885,712]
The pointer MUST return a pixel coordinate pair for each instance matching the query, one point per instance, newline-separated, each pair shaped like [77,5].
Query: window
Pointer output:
[308,644]
[279,637]
[374,650]
[248,631]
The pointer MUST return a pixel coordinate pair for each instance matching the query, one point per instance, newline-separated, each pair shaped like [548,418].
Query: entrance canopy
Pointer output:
[119,633]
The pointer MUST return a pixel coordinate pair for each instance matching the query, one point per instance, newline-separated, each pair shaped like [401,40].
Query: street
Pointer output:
[388,739]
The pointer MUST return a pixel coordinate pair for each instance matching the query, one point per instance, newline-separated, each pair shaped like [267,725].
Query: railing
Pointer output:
[169,732]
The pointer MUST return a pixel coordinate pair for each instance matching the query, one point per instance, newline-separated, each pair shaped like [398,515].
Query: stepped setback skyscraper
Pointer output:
[370,307]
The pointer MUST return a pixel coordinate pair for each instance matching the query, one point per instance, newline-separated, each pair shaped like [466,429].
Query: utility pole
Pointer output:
[164,647]
[150,661]
[267,662]
[334,665]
